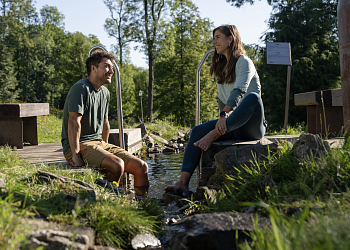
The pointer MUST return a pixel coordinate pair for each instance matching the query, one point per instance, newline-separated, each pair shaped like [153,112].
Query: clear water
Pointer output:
[164,170]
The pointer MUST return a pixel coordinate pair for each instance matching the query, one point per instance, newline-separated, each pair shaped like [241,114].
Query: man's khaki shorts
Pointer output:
[93,152]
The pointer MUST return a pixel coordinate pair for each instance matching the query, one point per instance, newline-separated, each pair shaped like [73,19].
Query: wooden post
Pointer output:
[287,98]
[344,55]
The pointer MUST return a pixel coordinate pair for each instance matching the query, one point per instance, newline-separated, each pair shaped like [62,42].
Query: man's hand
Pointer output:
[221,125]
[77,161]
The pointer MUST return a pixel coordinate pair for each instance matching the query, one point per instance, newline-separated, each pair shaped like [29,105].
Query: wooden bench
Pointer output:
[333,111]
[18,123]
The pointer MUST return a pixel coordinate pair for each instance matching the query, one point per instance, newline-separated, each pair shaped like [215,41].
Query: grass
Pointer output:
[306,200]
[115,219]
[50,126]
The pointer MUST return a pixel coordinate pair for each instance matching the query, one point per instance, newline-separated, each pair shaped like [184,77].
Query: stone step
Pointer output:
[132,139]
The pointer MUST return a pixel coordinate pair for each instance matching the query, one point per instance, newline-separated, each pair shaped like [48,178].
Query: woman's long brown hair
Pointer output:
[225,71]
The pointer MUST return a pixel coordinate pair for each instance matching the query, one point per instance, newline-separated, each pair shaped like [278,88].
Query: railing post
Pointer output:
[198,84]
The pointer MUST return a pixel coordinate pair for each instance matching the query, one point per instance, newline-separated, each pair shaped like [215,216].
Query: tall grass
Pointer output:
[307,200]
[115,219]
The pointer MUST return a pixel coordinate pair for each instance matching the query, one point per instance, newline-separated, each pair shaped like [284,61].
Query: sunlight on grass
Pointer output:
[115,219]
[50,126]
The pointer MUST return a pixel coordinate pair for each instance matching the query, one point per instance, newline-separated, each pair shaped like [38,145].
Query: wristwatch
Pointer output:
[223,114]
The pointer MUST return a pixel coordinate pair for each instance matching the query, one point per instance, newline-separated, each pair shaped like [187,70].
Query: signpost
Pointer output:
[280,54]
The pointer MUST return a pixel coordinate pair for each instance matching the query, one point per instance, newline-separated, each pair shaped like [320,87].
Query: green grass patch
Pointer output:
[115,219]
[50,126]
[307,200]
[298,129]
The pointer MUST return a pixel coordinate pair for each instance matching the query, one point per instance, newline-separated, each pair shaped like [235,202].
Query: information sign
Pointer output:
[278,53]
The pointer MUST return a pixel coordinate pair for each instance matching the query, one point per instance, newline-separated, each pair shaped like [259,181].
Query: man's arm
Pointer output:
[105,130]
[74,129]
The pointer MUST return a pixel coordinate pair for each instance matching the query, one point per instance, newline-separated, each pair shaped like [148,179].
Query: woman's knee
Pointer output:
[253,97]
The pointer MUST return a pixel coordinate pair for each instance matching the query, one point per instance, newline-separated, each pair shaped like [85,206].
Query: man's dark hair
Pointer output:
[96,58]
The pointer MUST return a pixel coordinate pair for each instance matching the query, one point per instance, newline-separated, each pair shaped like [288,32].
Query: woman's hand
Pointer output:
[221,125]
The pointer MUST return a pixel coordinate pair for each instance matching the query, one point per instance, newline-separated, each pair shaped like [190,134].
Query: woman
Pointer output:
[241,107]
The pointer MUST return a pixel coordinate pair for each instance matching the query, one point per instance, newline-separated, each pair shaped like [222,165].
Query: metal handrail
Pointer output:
[205,57]
[119,96]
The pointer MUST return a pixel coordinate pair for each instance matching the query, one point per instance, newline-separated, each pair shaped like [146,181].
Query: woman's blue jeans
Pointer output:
[245,122]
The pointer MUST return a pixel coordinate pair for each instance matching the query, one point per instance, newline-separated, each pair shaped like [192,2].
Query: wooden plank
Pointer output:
[9,110]
[34,109]
[324,96]
[23,109]
[330,96]
[337,97]
[317,124]
[11,132]
[307,98]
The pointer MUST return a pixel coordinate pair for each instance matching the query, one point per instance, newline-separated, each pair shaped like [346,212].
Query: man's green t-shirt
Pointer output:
[84,99]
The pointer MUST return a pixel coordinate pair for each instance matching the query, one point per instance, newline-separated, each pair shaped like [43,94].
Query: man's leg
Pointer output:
[132,165]
[112,168]
[139,169]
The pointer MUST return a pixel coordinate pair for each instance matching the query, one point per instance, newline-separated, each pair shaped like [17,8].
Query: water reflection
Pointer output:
[165,169]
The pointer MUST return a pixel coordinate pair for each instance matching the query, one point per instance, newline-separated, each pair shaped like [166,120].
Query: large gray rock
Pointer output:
[57,240]
[310,144]
[215,231]
[148,140]
[145,241]
[236,157]
[2,185]
[158,138]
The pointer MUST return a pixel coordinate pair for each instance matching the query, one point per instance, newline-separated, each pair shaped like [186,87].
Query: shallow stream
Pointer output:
[164,170]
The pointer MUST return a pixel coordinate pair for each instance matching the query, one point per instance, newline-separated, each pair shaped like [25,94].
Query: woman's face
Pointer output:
[222,43]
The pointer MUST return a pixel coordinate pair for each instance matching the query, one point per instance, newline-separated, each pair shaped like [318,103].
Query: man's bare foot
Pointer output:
[207,140]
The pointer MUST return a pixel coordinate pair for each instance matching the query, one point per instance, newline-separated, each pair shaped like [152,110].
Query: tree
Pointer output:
[185,41]
[119,25]
[239,3]
[8,81]
[310,26]
[146,30]
[47,52]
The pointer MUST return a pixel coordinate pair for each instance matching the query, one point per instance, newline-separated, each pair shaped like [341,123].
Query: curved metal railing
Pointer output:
[205,57]
[119,96]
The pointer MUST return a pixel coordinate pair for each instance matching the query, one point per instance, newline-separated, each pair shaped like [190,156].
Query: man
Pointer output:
[85,128]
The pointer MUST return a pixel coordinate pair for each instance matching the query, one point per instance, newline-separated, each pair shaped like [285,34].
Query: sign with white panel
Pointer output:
[278,54]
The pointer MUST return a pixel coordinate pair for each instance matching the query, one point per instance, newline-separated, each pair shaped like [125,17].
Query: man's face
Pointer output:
[104,71]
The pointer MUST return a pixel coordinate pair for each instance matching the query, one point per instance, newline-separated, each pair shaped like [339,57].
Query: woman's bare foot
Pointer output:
[207,140]
[177,186]
[182,184]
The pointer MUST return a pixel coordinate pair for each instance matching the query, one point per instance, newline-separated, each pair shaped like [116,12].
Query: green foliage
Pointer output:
[12,228]
[115,219]
[117,223]
[283,179]
[291,130]
[175,68]
[50,126]
[310,230]
[119,25]
[311,29]
[8,81]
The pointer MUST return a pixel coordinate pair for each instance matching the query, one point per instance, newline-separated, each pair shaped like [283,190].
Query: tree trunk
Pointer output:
[150,86]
